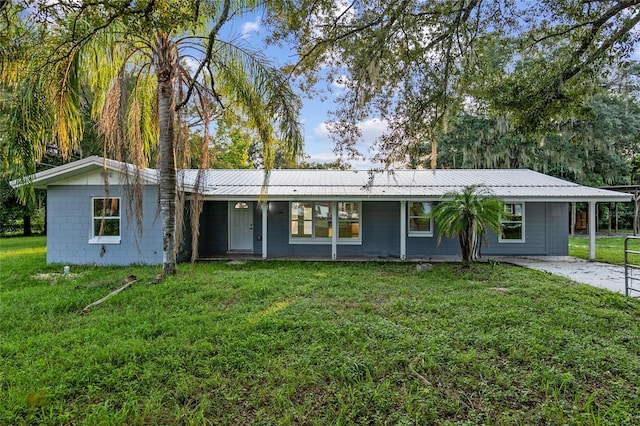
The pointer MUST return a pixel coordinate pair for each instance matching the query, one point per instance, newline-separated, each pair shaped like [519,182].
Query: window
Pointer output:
[311,222]
[349,221]
[420,220]
[512,223]
[105,221]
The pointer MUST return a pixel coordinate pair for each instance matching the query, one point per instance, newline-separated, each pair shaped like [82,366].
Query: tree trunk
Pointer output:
[165,64]
[464,248]
[466,244]
[26,225]
[475,243]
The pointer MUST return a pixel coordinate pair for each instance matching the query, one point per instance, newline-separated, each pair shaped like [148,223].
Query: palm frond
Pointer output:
[468,215]
[258,91]
[65,98]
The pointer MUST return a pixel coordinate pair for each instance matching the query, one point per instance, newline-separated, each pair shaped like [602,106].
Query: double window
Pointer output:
[420,219]
[512,221]
[105,221]
[312,222]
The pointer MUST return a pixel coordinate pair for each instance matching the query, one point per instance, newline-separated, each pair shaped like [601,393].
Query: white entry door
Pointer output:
[240,226]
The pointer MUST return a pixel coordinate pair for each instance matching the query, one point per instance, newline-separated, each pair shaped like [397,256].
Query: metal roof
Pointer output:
[41,179]
[354,184]
[400,184]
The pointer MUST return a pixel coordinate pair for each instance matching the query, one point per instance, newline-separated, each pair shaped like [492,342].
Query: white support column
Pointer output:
[574,216]
[334,230]
[403,230]
[592,231]
[265,214]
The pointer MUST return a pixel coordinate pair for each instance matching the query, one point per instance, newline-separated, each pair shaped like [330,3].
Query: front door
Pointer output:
[240,226]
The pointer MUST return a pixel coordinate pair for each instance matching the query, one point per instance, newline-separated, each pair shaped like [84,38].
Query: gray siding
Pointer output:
[535,235]
[380,233]
[558,229]
[214,224]
[546,233]
[69,215]
[185,249]
[429,246]
[278,235]
[69,227]
[257,229]
[214,229]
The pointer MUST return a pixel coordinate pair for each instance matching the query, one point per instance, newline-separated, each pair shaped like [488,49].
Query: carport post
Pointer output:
[592,231]
[334,230]
[403,230]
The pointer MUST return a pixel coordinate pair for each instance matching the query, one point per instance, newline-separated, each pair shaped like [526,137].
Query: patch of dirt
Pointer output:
[500,289]
[53,277]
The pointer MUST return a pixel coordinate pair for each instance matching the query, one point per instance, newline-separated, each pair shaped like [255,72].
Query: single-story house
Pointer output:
[320,214]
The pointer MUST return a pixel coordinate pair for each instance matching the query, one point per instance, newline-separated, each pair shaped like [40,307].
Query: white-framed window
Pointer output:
[311,222]
[420,219]
[512,221]
[105,220]
[349,221]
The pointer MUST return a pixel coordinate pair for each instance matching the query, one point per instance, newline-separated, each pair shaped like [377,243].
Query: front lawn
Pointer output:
[312,343]
[608,249]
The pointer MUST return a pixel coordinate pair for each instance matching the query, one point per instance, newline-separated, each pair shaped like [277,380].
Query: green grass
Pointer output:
[608,249]
[312,343]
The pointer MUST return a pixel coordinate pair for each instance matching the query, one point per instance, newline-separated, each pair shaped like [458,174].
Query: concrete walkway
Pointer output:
[602,275]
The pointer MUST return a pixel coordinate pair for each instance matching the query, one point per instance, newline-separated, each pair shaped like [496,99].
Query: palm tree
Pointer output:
[135,59]
[468,215]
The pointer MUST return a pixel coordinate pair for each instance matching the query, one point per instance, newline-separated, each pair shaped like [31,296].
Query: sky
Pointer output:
[315,112]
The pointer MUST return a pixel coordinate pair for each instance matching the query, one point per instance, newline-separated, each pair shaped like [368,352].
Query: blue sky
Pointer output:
[315,112]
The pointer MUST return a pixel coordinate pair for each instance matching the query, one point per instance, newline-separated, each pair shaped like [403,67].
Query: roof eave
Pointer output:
[377,197]
[44,178]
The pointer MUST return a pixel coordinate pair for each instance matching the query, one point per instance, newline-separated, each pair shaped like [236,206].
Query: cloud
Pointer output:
[190,63]
[248,28]
[372,129]
[331,158]
[341,82]
[322,157]
[321,131]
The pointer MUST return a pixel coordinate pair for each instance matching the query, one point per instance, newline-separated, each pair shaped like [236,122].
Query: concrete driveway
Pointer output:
[597,274]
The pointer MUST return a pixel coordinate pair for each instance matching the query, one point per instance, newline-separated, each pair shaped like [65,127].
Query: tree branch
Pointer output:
[224,15]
